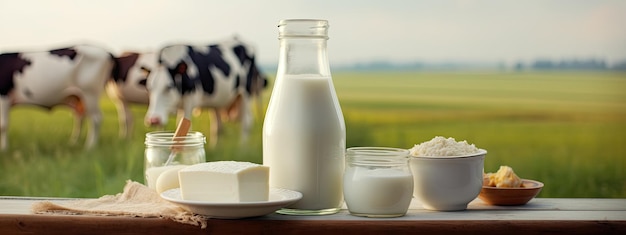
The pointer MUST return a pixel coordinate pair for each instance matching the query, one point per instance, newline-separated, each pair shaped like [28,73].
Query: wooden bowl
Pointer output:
[511,196]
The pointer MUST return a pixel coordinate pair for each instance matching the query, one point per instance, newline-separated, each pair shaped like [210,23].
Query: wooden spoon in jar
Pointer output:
[181,130]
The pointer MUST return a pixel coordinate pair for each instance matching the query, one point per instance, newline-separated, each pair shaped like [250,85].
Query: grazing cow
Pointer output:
[73,76]
[212,76]
[129,86]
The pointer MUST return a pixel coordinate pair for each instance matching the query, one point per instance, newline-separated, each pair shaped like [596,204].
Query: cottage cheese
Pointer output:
[440,146]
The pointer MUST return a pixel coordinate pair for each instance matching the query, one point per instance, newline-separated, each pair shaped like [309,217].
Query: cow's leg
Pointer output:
[92,109]
[259,107]
[78,126]
[216,126]
[246,118]
[124,115]
[125,118]
[4,122]
[77,105]
[188,110]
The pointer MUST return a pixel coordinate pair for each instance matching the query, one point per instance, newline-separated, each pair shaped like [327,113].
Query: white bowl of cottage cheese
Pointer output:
[447,174]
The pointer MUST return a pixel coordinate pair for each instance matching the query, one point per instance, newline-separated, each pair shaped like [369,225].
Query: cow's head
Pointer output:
[171,81]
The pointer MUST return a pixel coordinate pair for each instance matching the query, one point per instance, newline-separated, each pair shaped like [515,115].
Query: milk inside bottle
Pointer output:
[304,131]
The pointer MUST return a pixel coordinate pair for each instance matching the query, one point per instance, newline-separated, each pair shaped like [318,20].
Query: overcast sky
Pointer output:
[360,30]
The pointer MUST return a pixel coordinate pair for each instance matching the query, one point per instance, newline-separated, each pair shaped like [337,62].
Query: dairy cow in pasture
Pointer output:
[73,76]
[217,76]
[130,89]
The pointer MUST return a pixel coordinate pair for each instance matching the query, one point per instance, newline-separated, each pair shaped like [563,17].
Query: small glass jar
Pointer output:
[187,150]
[377,181]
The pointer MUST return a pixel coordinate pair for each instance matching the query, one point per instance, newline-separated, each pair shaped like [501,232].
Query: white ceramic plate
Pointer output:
[278,198]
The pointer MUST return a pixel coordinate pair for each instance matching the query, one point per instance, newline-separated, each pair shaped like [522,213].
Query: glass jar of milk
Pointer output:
[189,150]
[377,181]
[304,133]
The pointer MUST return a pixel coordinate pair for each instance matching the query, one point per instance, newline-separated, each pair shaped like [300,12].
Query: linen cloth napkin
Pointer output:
[136,200]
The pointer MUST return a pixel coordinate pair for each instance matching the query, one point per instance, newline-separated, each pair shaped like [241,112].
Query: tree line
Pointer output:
[574,64]
[539,64]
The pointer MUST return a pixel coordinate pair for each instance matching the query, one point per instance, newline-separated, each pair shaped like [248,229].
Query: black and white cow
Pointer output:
[218,76]
[73,76]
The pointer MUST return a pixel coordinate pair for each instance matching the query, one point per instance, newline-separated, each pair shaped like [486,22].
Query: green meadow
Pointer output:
[566,129]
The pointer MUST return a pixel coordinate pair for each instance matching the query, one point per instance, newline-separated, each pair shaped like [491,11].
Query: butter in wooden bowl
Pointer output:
[505,177]
[505,188]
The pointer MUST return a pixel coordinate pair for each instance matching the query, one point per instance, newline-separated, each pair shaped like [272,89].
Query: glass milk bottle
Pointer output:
[304,133]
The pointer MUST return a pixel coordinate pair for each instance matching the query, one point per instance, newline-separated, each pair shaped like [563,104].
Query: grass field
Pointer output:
[566,129]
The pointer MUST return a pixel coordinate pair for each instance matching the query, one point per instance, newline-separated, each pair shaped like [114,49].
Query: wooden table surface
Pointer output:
[540,216]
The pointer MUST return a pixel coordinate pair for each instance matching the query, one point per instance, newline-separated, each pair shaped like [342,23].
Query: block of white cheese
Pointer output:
[224,181]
